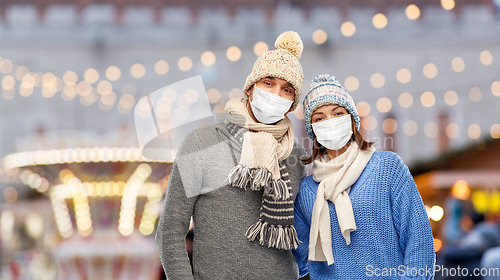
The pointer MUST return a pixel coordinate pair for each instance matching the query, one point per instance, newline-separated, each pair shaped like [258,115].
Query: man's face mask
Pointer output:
[269,108]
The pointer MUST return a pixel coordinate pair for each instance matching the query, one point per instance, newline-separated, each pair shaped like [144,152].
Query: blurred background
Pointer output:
[81,202]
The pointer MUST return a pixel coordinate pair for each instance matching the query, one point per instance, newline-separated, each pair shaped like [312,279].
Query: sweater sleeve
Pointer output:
[412,225]
[179,203]
[302,227]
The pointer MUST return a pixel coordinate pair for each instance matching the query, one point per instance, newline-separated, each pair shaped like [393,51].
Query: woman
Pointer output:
[360,214]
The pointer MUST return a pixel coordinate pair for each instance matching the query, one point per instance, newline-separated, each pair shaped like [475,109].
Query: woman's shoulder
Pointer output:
[387,158]
[308,185]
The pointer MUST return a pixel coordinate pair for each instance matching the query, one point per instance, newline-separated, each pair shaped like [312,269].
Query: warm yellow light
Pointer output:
[104,87]
[70,78]
[412,11]
[348,29]
[351,83]
[137,70]
[428,99]
[448,4]
[452,130]
[475,94]
[384,105]
[450,98]
[410,128]
[486,57]
[319,36]
[431,130]
[436,213]
[161,67]
[390,126]
[437,244]
[185,63]
[233,53]
[474,131]
[403,75]
[369,123]
[213,95]
[495,88]
[260,48]
[461,190]
[405,100]
[208,58]
[377,80]
[91,75]
[457,64]
[430,70]
[363,109]
[8,82]
[495,131]
[113,73]
[379,21]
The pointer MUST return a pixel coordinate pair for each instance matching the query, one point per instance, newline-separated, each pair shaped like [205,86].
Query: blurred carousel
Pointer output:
[105,198]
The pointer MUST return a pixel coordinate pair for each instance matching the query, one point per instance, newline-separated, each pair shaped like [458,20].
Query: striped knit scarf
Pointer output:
[263,149]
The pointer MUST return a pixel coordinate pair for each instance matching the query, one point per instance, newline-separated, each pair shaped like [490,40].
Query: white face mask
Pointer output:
[333,134]
[269,108]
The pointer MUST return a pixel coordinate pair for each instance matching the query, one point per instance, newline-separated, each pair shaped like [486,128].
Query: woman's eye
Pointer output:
[339,113]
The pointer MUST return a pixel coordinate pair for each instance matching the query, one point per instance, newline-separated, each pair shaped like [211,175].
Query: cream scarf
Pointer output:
[264,146]
[336,177]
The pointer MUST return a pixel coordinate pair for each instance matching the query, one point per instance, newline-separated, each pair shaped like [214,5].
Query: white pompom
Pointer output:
[291,42]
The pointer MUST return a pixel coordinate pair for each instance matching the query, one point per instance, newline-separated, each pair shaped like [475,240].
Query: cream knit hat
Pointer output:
[281,63]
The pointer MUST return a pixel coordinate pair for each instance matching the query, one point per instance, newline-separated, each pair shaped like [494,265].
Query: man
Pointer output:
[238,181]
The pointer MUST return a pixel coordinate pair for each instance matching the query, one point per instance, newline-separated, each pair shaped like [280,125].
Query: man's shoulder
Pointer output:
[298,150]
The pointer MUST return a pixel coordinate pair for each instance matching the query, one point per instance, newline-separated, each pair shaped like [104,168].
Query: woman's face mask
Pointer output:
[334,133]
[269,108]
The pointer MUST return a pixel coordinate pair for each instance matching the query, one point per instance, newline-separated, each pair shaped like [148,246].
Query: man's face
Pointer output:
[273,85]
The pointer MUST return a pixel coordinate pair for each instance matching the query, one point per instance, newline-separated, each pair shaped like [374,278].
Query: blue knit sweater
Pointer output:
[393,239]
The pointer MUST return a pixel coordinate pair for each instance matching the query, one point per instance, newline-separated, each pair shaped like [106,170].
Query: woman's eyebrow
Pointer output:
[317,113]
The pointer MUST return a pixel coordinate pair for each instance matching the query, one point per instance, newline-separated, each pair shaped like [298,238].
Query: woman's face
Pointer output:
[328,112]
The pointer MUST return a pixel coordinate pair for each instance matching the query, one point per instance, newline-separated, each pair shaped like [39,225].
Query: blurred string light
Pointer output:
[46,157]
[428,99]
[495,131]
[10,194]
[389,126]
[91,75]
[495,88]
[410,128]
[113,73]
[457,64]
[474,131]
[351,83]
[475,94]
[185,63]
[377,80]
[460,190]
[363,109]
[208,58]
[61,211]
[319,36]
[451,98]
[348,29]
[430,70]
[129,198]
[233,53]
[486,58]
[437,244]
[412,11]
[448,4]
[452,130]
[261,47]
[403,75]
[369,123]
[436,213]
[379,21]
[384,105]
[137,70]
[431,130]
[161,67]
[405,100]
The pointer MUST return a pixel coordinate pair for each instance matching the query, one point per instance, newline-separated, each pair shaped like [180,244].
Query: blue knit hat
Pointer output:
[326,90]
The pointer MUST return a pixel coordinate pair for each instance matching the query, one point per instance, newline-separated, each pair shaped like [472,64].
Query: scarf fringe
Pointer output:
[258,179]
[274,236]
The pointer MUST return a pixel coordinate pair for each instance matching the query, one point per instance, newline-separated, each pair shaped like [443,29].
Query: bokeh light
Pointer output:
[457,64]
[161,67]
[185,63]
[448,4]
[208,58]
[348,29]
[403,75]
[431,130]
[351,83]
[452,130]
[412,11]
[369,123]
[405,100]
[137,70]
[495,88]
[319,36]
[260,48]
[451,98]
[428,99]
[379,21]
[475,94]
[113,73]
[390,126]
[91,75]
[410,128]
[486,57]
[474,131]
[377,80]
[384,105]
[430,70]
[233,53]
[363,109]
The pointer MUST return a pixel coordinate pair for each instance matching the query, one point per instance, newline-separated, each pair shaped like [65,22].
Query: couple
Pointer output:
[257,216]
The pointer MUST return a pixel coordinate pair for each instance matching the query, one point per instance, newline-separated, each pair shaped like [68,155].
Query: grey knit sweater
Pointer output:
[221,213]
